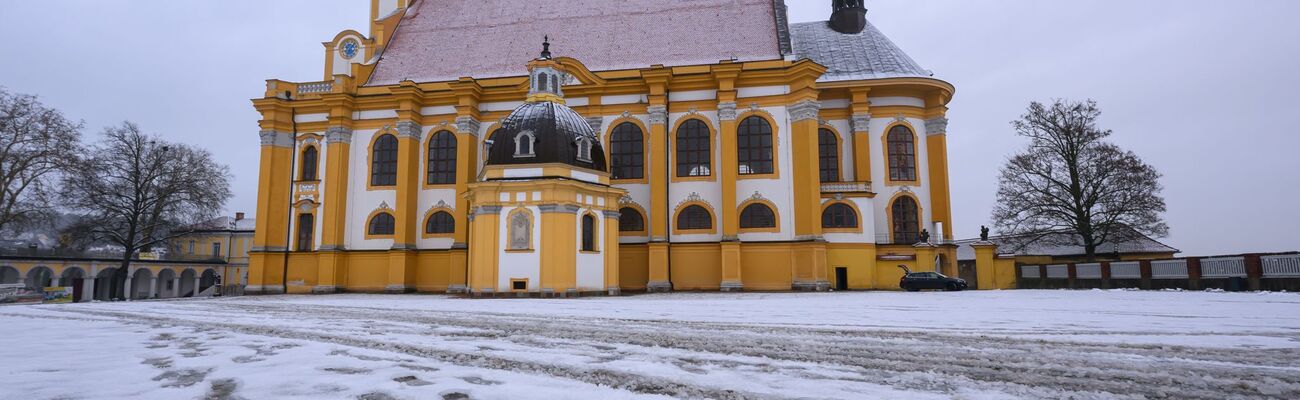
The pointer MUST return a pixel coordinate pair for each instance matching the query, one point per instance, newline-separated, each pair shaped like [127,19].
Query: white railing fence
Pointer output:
[1087,271]
[1126,270]
[1284,266]
[1169,269]
[1224,267]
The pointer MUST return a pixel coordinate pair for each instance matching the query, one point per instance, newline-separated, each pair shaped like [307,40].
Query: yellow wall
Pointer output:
[634,266]
[696,266]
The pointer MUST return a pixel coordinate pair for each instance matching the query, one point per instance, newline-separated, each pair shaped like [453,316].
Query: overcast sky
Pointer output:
[1199,89]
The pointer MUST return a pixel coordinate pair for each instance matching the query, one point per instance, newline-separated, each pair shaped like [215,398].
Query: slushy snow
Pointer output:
[860,345]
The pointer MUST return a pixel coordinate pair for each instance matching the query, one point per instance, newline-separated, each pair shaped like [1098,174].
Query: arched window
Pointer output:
[694,217]
[542,84]
[382,224]
[839,216]
[588,233]
[754,146]
[383,161]
[902,154]
[627,152]
[828,151]
[442,159]
[309,161]
[306,230]
[524,142]
[757,216]
[907,225]
[440,222]
[630,220]
[694,153]
[584,148]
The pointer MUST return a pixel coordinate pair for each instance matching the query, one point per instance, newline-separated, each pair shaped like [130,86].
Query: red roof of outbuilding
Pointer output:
[441,40]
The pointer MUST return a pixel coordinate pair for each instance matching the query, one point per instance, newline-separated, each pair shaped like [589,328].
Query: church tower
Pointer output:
[544,219]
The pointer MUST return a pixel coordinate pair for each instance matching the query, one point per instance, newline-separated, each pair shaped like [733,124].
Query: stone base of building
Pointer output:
[398,289]
[807,286]
[325,289]
[659,287]
[457,289]
[732,286]
[263,290]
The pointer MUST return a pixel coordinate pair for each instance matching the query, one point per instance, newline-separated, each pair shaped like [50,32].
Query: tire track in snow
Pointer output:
[1148,371]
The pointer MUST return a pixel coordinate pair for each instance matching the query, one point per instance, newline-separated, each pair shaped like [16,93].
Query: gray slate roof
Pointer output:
[866,55]
[1058,246]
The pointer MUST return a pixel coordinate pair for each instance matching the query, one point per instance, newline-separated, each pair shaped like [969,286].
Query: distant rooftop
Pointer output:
[1065,244]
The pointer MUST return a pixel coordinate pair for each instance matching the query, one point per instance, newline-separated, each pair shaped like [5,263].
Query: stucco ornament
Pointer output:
[521,234]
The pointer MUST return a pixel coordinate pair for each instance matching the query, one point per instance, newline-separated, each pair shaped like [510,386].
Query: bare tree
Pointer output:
[1070,180]
[136,191]
[35,142]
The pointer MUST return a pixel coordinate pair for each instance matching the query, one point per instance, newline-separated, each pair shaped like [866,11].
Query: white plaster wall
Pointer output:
[361,201]
[844,128]
[709,191]
[428,199]
[374,114]
[514,265]
[897,101]
[759,91]
[590,267]
[880,171]
[775,190]
[865,220]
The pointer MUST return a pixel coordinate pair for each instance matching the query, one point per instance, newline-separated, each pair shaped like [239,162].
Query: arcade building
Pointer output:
[574,147]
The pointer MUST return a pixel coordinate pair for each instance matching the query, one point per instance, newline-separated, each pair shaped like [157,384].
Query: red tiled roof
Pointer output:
[440,40]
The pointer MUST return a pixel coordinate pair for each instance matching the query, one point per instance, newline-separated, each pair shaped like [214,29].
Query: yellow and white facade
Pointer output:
[850,164]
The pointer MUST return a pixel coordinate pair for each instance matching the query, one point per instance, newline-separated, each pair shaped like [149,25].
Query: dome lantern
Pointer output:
[546,77]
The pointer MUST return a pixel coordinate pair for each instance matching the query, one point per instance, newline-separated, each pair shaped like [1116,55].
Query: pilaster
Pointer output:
[936,144]
[274,176]
[611,249]
[807,179]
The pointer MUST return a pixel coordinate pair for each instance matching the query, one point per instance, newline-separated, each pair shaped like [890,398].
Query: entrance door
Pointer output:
[841,278]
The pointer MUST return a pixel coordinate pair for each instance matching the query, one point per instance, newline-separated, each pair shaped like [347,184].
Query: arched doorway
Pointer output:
[108,284]
[74,277]
[141,284]
[207,280]
[166,284]
[8,275]
[187,283]
[39,277]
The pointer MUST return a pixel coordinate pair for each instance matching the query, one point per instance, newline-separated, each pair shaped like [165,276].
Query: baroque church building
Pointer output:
[570,147]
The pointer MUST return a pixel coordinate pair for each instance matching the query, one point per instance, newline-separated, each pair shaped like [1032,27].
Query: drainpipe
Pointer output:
[293,160]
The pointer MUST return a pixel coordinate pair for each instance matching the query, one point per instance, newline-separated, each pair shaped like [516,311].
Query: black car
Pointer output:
[914,281]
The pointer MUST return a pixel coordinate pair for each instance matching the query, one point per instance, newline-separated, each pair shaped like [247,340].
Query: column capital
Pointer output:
[468,124]
[275,138]
[862,122]
[338,134]
[658,114]
[936,126]
[727,111]
[409,129]
[805,110]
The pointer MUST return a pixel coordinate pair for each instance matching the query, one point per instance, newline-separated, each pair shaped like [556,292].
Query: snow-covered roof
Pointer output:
[230,224]
[448,39]
[1065,244]
[865,55]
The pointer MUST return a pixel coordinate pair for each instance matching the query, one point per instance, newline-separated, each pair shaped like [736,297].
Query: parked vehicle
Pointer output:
[915,281]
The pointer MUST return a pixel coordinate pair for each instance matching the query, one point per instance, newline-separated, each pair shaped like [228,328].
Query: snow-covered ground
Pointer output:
[969,345]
